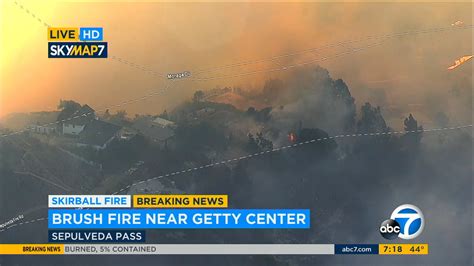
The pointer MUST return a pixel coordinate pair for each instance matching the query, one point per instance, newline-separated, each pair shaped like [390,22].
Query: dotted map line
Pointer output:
[220,77]
[253,61]
[283,68]
[324,58]
[332,45]
[262,153]
[32,14]
[383,38]
[191,169]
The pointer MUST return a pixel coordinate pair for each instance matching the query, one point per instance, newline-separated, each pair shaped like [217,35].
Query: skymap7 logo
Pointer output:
[77,50]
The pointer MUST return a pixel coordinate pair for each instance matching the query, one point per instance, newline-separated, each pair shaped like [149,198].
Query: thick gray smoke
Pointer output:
[350,186]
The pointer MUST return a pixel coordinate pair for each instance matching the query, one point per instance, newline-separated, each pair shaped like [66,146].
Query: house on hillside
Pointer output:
[201,113]
[158,131]
[73,124]
[127,133]
[205,111]
[43,129]
[163,122]
[97,134]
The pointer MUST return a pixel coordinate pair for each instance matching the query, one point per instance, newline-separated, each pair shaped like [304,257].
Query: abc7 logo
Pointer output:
[406,222]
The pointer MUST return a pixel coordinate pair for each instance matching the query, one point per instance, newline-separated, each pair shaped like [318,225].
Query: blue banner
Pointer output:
[178,218]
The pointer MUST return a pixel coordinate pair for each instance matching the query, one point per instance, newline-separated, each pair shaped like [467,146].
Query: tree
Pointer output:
[118,118]
[252,145]
[263,115]
[68,108]
[107,114]
[121,114]
[198,96]
[371,120]
[68,105]
[251,111]
[411,124]
[413,136]
[258,144]
[263,143]
[165,115]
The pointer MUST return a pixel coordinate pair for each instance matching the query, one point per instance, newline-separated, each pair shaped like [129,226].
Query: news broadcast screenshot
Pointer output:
[216,133]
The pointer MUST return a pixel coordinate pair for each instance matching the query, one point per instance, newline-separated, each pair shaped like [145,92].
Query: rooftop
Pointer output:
[153,131]
[97,133]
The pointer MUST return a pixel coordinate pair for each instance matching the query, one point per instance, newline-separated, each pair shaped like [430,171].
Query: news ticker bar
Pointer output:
[214,249]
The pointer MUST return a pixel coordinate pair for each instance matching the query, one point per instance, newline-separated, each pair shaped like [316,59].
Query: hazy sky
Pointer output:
[174,37]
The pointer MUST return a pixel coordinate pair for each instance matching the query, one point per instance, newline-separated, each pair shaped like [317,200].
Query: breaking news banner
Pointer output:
[139,201]
[180,201]
[178,218]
